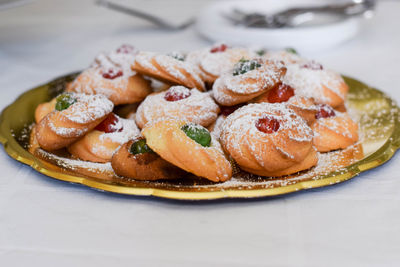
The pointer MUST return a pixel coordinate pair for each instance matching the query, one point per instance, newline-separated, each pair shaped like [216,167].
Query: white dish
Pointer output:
[212,24]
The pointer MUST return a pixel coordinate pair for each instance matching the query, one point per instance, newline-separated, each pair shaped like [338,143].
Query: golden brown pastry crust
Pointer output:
[285,56]
[285,151]
[212,65]
[259,153]
[341,108]
[215,127]
[198,108]
[336,132]
[303,106]
[121,90]
[99,146]
[229,89]
[110,74]
[324,86]
[59,129]
[146,166]
[167,139]
[168,69]
[33,143]
[43,109]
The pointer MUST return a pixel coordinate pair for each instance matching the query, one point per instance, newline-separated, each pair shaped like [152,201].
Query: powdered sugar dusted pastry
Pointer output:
[214,61]
[333,130]
[268,140]
[172,69]
[310,79]
[304,107]
[285,56]
[178,102]
[131,115]
[111,75]
[136,160]
[216,127]
[249,79]
[73,117]
[44,108]
[100,144]
[283,93]
[188,146]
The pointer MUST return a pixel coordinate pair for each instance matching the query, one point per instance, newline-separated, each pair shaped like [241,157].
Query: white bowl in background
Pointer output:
[212,24]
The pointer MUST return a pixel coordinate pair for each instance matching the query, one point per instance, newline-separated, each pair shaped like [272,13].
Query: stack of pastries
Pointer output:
[207,112]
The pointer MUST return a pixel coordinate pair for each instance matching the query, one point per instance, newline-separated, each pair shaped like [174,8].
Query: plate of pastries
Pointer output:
[217,122]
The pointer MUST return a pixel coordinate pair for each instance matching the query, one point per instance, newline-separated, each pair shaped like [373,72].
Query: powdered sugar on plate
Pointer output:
[75,165]
[335,161]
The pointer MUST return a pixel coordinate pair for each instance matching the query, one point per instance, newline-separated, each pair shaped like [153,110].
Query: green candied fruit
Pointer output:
[261,52]
[140,147]
[197,133]
[64,101]
[177,56]
[291,50]
[245,65]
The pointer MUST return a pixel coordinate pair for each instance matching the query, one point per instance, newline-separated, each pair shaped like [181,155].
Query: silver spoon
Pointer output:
[151,18]
[287,18]
[296,16]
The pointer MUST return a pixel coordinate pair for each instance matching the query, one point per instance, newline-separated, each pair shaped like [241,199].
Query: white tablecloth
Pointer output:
[53,223]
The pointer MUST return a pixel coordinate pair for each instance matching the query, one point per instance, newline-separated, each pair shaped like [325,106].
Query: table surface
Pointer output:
[53,223]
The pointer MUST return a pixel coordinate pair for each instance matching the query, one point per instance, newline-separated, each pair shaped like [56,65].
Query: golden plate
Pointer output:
[377,114]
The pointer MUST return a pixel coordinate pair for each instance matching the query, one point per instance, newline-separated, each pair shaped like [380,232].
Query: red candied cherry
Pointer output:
[280,93]
[267,125]
[125,49]
[219,48]
[324,111]
[112,74]
[110,124]
[313,65]
[225,110]
[177,93]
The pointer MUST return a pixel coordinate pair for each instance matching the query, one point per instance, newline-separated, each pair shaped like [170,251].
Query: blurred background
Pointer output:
[41,39]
